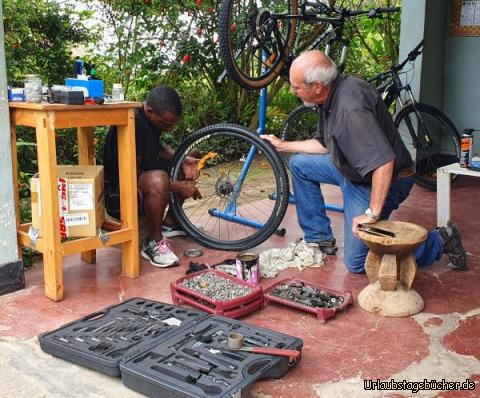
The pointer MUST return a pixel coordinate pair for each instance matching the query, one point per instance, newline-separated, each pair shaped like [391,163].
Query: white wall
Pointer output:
[8,231]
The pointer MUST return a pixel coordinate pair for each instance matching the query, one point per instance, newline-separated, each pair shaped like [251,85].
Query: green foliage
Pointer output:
[38,37]
[141,43]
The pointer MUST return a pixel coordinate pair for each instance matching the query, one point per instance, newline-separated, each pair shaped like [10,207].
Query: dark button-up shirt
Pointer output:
[358,131]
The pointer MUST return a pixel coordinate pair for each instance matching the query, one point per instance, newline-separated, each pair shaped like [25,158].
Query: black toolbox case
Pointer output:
[101,340]
[166,351]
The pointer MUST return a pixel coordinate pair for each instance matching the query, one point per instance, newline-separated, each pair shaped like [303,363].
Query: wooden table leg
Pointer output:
[444,207]
[13,139]
[50,227]
[86,156]
[128,194]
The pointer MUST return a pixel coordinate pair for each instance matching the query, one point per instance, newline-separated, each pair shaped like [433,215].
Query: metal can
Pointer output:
[465,147]
[248,268]
[33,88]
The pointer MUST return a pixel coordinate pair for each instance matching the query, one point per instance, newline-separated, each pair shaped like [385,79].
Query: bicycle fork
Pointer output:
[423,137]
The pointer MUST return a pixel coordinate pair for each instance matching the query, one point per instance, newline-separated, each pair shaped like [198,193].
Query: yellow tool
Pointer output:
[208,156]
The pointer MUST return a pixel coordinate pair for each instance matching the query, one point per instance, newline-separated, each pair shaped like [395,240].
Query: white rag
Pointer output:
[297,254]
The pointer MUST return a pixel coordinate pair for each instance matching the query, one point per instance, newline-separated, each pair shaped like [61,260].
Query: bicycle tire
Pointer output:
[445,138]
[301,124]
[255,20]
[218,184]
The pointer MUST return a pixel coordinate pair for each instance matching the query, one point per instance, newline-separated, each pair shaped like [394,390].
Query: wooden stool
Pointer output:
[391,268]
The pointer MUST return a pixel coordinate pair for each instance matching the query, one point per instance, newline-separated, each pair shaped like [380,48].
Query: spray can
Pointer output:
[466,147]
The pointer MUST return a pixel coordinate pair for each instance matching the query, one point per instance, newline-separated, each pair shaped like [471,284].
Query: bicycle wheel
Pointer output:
[301,124]
[438,147]
[252,29]
[235,211]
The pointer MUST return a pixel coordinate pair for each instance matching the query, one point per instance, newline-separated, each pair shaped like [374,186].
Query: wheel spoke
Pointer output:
[434,142]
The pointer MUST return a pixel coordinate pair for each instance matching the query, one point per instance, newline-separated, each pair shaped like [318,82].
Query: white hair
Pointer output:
[320,73]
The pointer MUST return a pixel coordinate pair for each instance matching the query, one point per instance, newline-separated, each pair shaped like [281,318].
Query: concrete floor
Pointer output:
[440,343]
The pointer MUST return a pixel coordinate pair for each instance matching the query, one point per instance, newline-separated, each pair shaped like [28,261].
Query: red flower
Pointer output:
[233,27]
[199,3]
[186,58]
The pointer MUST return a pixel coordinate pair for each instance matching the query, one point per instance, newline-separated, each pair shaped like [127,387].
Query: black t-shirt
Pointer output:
[358,131]
[147,143]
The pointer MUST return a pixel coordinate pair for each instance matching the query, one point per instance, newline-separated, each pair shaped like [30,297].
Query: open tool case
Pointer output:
[166,351]
[196,362]
[101,340]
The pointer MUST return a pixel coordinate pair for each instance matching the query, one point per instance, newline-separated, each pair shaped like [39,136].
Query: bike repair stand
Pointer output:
[229,213]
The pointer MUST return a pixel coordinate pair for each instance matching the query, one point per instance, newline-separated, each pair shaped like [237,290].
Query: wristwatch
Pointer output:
[369,213]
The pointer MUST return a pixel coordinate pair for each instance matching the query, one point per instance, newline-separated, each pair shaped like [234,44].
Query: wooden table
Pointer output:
[45,118]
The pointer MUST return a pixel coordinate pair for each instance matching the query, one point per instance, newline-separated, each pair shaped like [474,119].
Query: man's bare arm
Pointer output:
[308,146]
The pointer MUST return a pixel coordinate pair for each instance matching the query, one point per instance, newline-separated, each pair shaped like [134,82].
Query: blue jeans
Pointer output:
[308,171]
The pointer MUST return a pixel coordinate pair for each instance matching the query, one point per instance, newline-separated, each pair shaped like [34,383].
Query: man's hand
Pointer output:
[362,219]
[187,189]
[274,140]
[190,168]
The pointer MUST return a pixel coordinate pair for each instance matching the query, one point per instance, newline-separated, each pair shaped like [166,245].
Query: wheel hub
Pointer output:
[224,187]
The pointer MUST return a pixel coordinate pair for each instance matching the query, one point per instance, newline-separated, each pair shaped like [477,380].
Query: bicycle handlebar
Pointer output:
[342,12]
[373,12]
[412,55]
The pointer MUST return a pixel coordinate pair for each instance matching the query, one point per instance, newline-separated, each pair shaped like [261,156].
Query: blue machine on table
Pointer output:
[94,86]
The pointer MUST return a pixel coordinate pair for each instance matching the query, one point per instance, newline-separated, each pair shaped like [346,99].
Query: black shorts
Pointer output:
[112,201]
[112,193]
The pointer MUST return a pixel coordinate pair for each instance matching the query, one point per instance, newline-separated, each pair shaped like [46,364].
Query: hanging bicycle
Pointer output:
[257,37]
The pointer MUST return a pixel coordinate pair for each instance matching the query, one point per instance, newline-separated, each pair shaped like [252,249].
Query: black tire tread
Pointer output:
[436,113]
[279,170]
[227,54]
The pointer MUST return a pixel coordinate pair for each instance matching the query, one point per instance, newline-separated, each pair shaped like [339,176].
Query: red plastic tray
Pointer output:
[322,313]
[232,309]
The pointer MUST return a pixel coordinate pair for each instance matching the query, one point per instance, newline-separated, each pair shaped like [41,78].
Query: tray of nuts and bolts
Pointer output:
[199,362]
[306,296]
[101,340]
[217,293]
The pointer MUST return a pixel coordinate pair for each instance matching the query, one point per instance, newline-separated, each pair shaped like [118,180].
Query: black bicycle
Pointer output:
[429,135]
[257,37]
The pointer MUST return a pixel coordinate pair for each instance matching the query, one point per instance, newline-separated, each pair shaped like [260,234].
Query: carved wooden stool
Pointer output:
[391,268]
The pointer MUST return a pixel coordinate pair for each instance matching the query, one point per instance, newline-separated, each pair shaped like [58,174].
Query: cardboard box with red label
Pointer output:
[80,200]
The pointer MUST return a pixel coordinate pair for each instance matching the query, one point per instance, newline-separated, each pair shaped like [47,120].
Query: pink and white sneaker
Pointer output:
[160,254]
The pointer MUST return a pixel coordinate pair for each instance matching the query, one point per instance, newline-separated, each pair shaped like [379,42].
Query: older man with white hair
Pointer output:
[356,147]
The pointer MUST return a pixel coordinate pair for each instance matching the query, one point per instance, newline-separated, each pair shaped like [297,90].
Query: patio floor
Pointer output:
[440,343]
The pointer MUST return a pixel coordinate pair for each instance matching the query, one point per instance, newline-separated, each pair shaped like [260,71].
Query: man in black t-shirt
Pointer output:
[160,112]
[358,148]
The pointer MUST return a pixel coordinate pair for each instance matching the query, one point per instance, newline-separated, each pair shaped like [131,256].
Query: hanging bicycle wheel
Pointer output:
[431,138]
[241,173]
[256,37]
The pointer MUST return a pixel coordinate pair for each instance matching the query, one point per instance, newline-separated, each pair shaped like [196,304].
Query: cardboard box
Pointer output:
[81,203]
